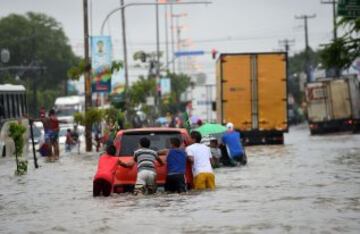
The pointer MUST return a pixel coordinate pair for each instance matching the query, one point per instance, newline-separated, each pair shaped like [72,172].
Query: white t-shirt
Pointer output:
[201,154]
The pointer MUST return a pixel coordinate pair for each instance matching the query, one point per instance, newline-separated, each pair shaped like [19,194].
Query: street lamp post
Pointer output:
[157,4]
[178,28]
[122,7]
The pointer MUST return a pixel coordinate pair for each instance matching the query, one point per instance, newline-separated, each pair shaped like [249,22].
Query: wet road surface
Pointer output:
[309,185]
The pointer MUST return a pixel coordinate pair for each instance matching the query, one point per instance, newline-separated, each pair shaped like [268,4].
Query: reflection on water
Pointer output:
[312,184]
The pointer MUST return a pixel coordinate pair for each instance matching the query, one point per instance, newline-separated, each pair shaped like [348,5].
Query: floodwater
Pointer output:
[309,185]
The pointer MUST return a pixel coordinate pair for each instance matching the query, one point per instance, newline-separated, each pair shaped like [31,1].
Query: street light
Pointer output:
[122,7]
[145,4]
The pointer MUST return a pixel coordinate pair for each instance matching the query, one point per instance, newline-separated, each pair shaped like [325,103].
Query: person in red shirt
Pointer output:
[54,129]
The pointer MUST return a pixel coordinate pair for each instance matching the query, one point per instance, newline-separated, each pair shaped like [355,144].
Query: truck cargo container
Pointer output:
[333,105]
[252,94]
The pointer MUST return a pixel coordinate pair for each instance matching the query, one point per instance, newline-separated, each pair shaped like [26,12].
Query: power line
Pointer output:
[287,43]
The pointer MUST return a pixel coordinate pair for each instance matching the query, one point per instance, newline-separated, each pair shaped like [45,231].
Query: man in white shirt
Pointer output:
[200,156]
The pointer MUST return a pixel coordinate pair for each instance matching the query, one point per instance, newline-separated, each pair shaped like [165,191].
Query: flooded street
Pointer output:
[309,185]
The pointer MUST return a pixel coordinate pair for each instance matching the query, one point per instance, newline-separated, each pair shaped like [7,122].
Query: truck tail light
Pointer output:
[313,126]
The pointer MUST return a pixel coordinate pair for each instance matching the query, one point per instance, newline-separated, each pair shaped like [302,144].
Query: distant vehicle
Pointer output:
[333,105]
[12,107]
[252,94]
[66,107]
[38,135]
[126,142]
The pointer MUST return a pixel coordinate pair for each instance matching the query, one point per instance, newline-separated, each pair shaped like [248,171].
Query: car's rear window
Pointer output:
[158,140]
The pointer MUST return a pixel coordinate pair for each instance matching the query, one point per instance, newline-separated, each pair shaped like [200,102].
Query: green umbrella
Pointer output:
[210,129]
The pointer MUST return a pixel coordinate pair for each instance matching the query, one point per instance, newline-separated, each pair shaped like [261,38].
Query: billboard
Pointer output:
[101,58]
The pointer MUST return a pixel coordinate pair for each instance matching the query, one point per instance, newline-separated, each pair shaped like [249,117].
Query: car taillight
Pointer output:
[312,126]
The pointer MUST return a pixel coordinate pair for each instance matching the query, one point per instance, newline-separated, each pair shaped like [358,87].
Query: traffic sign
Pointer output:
[189,53]
[349,8]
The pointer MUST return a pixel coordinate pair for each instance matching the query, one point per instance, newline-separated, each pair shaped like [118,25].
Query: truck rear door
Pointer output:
[317,102]
[340,99]
[272,93]
[236,93]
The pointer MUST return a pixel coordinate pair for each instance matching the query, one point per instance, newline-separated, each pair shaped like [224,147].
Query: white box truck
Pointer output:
[67,106]
[333,105]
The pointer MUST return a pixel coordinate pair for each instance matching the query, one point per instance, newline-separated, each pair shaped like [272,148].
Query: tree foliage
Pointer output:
[140,90]
[76,71]
[297,62]
[90,117]
[341,53]
[16,132]
[35,38]
[179,84]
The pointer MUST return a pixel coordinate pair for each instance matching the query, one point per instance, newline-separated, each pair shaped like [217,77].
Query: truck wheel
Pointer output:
[3,153]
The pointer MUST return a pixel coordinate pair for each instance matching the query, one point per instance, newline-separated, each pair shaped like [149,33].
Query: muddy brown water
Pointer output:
[309,185]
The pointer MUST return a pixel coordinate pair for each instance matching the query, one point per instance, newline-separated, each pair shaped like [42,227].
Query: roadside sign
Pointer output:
[165,86]
[349,8]
[189,53]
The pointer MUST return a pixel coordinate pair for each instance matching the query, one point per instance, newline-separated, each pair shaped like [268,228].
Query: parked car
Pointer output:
[38,133]
[126,142]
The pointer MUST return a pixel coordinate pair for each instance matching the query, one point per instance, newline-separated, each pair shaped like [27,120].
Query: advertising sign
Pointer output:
[165,86]
[101,58]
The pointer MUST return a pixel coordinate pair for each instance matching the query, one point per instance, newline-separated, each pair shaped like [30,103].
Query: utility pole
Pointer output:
[166,38]
[337,71]
[178,36]
[307,57]
[287,43]
[158,94]
[126,70]
[87,75]
[334,15]
[172,39]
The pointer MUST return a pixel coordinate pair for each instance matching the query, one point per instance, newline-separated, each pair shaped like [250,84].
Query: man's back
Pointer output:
[145,159]
[232,140]
[202,155]
[176,161]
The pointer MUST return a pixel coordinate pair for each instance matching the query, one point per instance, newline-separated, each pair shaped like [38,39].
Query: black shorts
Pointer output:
[175,183]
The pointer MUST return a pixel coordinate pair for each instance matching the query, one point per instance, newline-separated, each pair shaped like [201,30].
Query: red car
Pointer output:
[111,177]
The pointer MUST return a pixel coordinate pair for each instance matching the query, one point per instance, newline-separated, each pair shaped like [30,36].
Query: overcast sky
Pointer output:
[225,25]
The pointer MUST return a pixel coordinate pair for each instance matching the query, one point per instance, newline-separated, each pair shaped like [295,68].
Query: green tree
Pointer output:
[341,53]
[297,64]
[298,61]
[16,132]
[140,90]
[76,71]
[37,39]
[179,84]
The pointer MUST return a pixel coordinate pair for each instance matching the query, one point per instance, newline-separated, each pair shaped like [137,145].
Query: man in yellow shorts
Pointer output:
[200,156]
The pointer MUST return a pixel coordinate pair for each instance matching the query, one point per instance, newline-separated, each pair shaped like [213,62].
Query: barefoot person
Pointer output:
[146,171]
[201,158]
[176,166]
